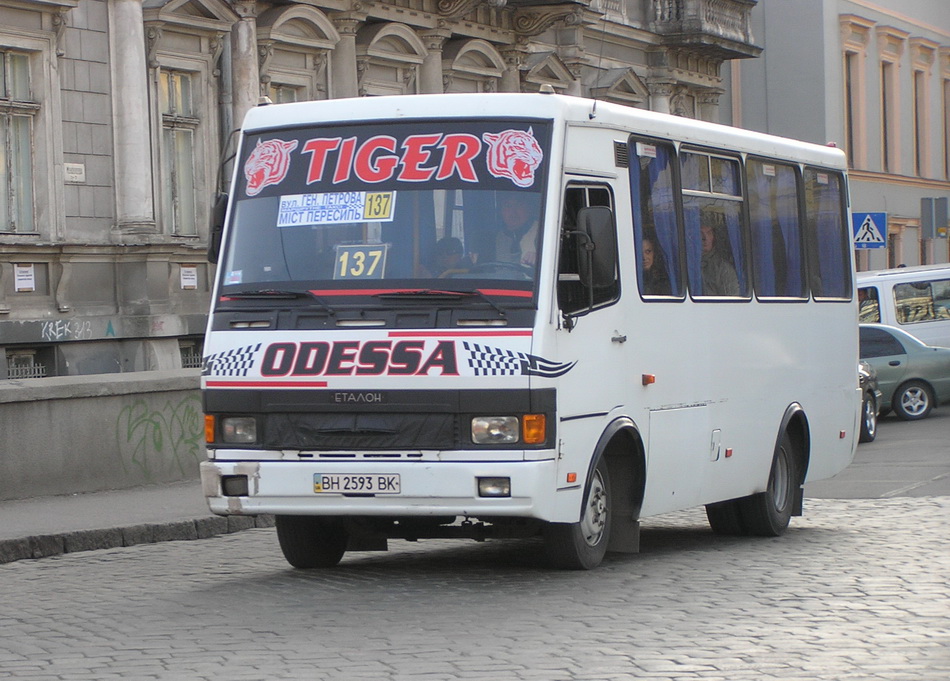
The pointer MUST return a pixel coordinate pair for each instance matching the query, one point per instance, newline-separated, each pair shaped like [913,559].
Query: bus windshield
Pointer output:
[349,210]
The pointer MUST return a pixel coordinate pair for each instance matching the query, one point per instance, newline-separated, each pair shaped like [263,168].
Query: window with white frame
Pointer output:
[180,122]
[17,111]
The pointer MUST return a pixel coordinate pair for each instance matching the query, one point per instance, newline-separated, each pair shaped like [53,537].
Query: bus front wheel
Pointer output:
[311,541]
[767,513]
[582,545]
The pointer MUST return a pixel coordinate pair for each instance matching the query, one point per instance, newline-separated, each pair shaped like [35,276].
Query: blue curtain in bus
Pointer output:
[664,213]
[776,227]
[660,179]
[694,244]
[829,236]
[733,212]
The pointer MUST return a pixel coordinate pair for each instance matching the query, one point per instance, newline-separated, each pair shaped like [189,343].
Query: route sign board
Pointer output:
[870,230]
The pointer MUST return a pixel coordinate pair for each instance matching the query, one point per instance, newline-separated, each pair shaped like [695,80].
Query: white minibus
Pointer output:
[915,299]
[518,315]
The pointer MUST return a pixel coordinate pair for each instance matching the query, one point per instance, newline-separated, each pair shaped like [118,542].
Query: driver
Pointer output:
[515,242]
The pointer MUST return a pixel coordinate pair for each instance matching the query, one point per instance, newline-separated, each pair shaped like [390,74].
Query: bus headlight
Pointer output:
[495,430]
[239,430]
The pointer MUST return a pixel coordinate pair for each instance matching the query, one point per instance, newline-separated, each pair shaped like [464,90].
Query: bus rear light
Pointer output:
[532,428]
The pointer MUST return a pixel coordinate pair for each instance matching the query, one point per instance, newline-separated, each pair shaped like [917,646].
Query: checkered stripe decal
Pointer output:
[488,361]
[234,362]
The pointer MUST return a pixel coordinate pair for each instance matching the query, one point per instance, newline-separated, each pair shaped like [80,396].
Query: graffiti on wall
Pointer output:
[165,443]
[66,329]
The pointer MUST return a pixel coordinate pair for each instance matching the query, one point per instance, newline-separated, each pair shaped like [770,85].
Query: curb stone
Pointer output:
[43,546]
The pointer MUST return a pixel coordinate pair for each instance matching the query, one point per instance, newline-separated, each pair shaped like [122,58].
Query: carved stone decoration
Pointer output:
[536,20]
[216,45]
[59,26]
[265,52]
[62,286]
[456,9]
[153,36]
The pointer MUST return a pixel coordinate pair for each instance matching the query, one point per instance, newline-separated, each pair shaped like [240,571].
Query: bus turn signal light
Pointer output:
[649,379]
[209,428]
[533,427]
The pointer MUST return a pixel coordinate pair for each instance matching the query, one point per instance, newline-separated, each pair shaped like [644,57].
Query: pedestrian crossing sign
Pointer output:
[870,230]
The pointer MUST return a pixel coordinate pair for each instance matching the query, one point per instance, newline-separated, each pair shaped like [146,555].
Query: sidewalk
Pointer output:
[36,528]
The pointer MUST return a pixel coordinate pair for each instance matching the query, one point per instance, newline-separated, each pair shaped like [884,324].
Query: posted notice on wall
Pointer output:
[24,278]
[189,277]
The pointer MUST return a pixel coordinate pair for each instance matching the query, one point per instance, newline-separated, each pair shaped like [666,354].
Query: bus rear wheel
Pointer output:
[767,513]
[582,545]
[311,541]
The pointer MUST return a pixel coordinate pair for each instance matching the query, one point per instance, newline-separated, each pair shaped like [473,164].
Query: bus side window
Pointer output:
[573,295]
[827,235]
[869,308]
[712,213]
[655,224]
[776,229]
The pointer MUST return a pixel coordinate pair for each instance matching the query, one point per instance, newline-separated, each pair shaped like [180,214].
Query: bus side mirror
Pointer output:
[218,212]
[599,245]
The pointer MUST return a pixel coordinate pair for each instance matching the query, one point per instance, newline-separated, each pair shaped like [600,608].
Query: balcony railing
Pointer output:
[718,27]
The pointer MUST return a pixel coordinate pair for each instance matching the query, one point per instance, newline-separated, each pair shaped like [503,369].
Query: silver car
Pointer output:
[913,377]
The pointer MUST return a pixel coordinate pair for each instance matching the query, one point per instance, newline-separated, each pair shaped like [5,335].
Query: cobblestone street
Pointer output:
[857,589]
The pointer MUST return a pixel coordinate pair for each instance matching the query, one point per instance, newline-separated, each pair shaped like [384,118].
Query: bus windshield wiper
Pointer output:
[276,294]
[444,294]
[268,293]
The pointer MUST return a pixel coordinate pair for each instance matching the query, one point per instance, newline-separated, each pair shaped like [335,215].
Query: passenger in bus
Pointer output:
[719,276]
[517,240]
[450,257]
[656,280]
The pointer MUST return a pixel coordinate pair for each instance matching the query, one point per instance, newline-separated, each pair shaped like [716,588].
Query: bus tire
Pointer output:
[582,545]
[767,513]
[725,517]
[913,400]
[311,541]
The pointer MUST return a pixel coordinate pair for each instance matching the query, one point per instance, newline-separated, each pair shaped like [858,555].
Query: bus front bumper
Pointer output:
[424,489]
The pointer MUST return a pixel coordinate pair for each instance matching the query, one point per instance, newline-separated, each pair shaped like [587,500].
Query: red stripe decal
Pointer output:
[455,334]
[265,384]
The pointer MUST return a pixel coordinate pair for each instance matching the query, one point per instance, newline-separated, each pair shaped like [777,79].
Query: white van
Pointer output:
[916,299]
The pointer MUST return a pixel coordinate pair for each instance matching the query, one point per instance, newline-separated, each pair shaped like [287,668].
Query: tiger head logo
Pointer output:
[268,164]
[514,154]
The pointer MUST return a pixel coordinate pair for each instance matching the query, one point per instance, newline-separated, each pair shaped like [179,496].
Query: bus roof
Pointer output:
[570,110]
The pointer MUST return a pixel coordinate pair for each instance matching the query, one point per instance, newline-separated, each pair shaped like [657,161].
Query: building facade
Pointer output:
[872,77]
[115,116]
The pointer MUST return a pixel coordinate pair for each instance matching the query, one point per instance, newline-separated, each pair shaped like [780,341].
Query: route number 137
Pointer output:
[360,262]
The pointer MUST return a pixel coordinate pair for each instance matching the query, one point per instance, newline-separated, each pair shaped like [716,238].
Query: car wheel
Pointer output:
[868,418]
[311,541]
[581,546]
[914,400]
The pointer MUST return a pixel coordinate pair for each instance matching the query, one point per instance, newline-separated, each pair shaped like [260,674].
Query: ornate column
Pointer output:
[343,61]
[660,94]
[245,73]
[430,73]
[135,212]
[708,101]
[514,57]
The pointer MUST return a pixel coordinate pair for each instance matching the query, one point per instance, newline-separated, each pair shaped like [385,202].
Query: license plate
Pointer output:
[355,484]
